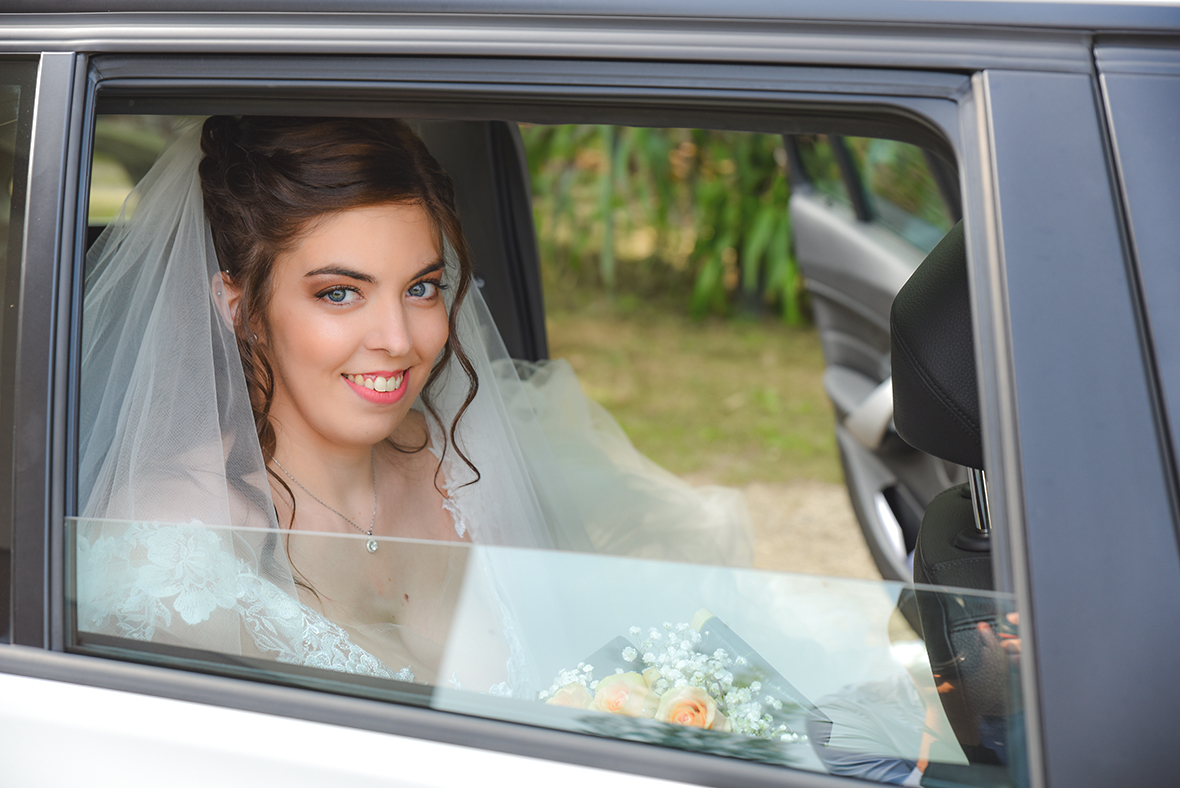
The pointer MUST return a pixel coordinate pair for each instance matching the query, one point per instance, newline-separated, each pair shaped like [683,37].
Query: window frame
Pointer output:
[25,70]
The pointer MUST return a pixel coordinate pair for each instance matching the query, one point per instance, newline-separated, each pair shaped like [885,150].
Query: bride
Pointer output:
[282,351]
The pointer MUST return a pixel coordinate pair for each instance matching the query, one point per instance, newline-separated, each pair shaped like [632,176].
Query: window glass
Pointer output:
[125,148]
[539,561]
[794,670]
[901,190]
[16,108]
[685,281]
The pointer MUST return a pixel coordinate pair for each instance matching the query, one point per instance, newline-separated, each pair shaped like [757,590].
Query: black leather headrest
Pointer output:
[935,395]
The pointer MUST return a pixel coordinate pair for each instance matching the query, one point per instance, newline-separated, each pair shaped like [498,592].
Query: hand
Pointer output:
[1008,641]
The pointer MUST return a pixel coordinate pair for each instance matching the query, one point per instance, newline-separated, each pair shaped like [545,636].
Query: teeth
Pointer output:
[380,383]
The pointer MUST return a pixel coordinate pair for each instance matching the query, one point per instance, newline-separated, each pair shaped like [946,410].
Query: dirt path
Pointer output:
[807,527]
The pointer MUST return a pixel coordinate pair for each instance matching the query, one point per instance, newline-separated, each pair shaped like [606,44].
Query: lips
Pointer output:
[382,388]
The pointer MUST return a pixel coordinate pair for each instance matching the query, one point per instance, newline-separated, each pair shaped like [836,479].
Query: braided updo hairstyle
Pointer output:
[266,180]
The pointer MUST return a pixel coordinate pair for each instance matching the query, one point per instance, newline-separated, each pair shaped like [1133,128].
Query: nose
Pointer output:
[390,331]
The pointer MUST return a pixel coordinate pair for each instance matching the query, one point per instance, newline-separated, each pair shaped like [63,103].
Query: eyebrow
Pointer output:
[437,265]
[339,270]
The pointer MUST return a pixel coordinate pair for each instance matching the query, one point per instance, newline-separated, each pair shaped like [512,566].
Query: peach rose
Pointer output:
[691,707]
[626,694]
[573,695]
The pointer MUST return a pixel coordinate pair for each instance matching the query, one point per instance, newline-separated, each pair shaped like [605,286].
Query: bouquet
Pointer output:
[699,675]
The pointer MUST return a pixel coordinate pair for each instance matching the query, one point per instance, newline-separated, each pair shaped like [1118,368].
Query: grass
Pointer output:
[731,401]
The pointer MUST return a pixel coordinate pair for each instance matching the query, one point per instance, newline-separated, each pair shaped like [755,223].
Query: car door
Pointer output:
[864,212]
[576,588]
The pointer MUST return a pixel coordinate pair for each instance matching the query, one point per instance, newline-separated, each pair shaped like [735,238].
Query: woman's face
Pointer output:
[355,322]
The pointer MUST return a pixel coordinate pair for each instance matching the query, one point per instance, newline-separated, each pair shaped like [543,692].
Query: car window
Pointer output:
[901,189]
[891,184]
[820,166]
[670,625]
[16,107]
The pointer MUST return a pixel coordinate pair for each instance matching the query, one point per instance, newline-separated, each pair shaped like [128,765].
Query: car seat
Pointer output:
[936,410]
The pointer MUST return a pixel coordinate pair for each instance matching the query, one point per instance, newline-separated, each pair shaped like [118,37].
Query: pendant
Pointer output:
[371,545]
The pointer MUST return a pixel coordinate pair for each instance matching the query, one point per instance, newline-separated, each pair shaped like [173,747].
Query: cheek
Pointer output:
[305,344]
[431,333]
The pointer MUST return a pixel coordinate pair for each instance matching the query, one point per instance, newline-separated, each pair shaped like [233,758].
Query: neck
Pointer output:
[340,476]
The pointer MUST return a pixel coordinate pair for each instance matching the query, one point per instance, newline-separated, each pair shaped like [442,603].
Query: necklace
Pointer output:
[370,545]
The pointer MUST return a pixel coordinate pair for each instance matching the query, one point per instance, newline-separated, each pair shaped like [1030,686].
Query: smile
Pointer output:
[374,381]
[379,387]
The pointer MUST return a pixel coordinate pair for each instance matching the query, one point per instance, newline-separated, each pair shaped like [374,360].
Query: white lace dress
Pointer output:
[187,585]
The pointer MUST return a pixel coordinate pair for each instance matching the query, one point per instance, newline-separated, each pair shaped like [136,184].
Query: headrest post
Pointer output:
[983,525]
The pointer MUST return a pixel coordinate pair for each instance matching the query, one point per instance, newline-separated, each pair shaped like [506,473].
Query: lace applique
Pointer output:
[132,583]
[146,580]
[452,502]
[451,507]
[326,645]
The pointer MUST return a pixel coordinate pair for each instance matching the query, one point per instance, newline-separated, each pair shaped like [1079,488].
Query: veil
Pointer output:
[178,540]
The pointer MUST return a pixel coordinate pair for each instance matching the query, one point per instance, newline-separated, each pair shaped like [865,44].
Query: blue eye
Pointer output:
[338,295]
[424,289]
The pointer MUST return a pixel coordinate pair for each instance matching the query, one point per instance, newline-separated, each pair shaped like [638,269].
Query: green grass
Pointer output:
[731,401]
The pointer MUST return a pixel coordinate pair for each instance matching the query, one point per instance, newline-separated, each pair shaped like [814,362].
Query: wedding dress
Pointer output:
[177,539]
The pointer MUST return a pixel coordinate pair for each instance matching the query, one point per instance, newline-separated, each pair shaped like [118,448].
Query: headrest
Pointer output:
[935,396]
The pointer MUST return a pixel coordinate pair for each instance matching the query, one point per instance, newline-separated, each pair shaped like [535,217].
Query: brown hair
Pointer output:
[266,180]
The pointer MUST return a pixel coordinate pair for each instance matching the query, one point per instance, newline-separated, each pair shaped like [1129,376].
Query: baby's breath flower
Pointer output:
[675,662]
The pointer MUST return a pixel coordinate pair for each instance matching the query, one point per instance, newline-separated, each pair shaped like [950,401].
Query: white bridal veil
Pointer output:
[166,436]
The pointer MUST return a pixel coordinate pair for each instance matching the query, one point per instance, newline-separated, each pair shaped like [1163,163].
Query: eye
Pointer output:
[425,290]
[338,295]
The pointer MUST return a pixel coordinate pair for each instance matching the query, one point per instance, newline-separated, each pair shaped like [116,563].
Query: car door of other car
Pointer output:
[864,212]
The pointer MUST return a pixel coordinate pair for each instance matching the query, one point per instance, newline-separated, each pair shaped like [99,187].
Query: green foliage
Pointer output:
[705,210]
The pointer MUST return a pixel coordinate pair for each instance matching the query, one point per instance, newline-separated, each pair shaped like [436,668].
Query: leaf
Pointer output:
[754,246]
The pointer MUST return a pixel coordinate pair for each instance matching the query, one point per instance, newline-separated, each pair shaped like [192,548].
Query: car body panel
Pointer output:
[1082,429]
[103,732]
